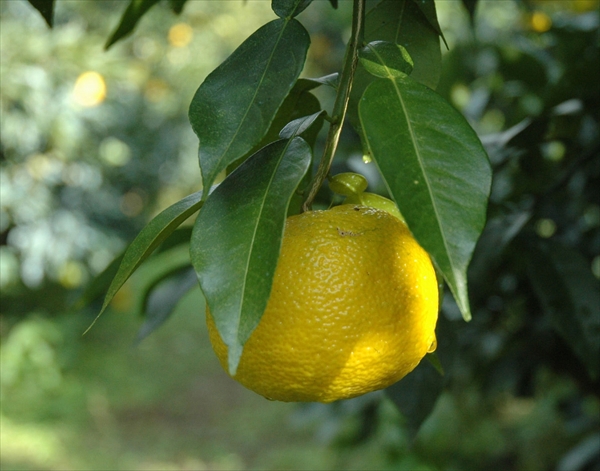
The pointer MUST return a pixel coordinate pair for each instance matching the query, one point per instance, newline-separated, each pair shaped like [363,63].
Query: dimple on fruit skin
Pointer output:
[353,309]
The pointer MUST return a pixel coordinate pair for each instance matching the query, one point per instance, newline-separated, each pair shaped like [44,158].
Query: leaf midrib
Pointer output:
[232,140]
[253,238]
[427,182]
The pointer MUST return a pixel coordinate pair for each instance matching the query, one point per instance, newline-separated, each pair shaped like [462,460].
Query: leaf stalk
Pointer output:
[341,101]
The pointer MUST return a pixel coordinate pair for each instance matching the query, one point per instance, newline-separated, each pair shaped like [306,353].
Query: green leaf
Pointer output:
[161,266]
[428,9]
[46,9]
[289,8]
[99,285]
[300,126]
[385,59]
[177,6]
[237,238]
[403,23]
[435,168]
[399,22]
[331,80]
[164,297]
[470,6]
[570,296]
[148,240]
[299,102]
[234,107]
[417,393]
[134,12]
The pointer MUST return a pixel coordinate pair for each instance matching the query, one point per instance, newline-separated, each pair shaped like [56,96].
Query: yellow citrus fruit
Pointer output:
[353,309]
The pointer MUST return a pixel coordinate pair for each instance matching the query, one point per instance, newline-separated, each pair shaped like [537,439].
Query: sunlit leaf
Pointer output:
[234,107]
[435,169]
[386,59]
[399,22]
[134,12]
[570,296]
[148,240]
[46,9]
[237,238]
[289,8]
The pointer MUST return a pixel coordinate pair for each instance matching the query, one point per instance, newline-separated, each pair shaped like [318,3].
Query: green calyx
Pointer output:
[353,186]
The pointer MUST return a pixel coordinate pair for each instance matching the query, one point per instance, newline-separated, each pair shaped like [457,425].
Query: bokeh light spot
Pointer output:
[545,228]
[71,274]
[132,203]
[89,89]
[156,90]
[114,152]
[540,22]
[180,35]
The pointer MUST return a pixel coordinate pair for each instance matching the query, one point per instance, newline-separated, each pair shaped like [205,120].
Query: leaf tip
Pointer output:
[233,358]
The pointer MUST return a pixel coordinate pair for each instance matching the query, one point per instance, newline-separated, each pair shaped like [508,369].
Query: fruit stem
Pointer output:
[341,101]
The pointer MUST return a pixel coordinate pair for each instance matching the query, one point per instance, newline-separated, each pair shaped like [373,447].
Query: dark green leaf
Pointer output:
[134,12]
[331,80]
[299,126]
[180,236]
[470,6]
[435,169]
[237,238]
[416,394]
[298,103]
[148,240]
[399,22]
[570,296]
[177,5]
[403,23]
[289,8]
[163,299]
[160,267]
[234,107]
[385,59]
[46,9]
[428,9]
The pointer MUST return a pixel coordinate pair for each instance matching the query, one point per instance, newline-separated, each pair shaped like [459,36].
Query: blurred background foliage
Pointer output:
[94,143]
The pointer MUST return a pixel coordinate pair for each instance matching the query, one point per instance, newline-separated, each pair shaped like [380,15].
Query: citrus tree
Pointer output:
[258,123]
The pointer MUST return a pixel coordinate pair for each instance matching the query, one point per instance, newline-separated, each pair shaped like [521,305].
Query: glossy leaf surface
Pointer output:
[289,8]
[150,237]
[237,238]
[134,12]
[234,107]
[435,169]
[570,296]
[385,59]
[399,22]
